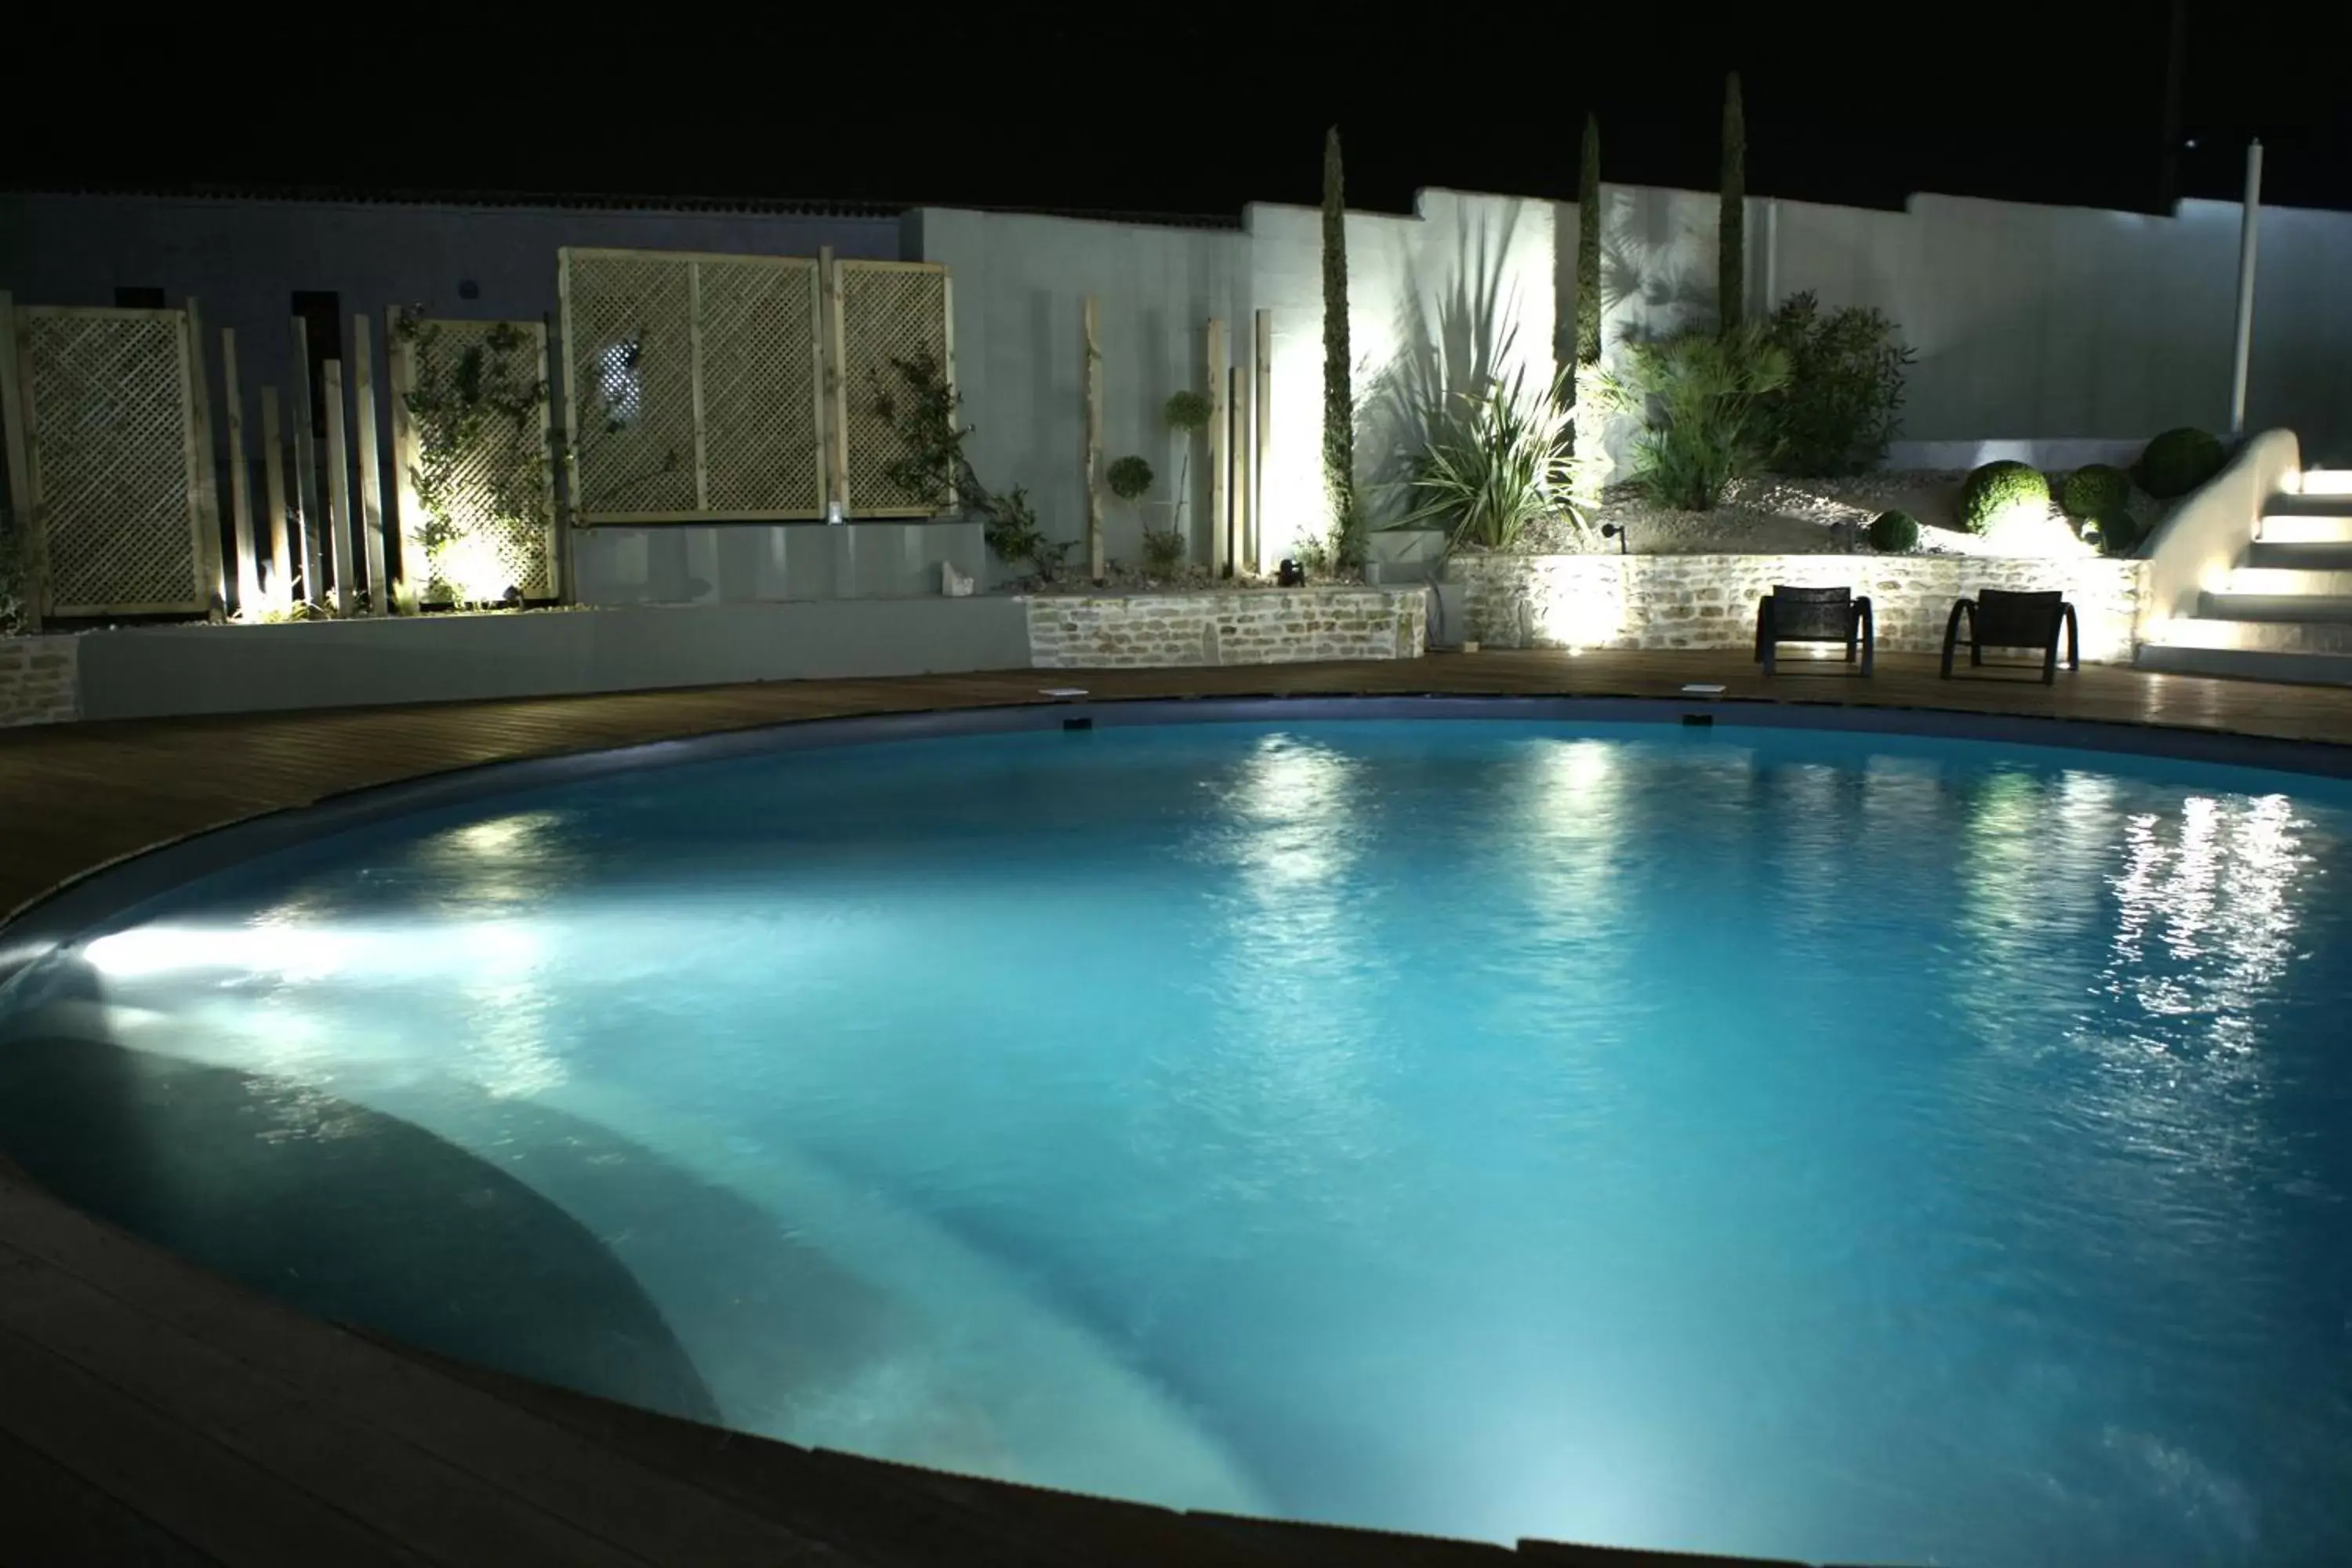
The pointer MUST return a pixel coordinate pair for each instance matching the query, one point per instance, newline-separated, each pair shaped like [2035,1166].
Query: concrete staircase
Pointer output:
[2283,612]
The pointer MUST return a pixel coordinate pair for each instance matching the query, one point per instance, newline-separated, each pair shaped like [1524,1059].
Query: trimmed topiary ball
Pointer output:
[2115,533]
[2094,491]
[2000,488]
[1129,478]
[2179,461]
[1894,532]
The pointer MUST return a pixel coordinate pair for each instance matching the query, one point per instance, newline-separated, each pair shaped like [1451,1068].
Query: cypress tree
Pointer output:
[1731,262]
[1588,247]
[1338,396]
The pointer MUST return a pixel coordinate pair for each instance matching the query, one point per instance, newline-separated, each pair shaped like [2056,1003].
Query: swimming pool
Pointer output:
[1844,1146]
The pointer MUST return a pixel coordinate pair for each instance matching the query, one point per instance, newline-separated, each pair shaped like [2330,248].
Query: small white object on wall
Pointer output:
[955,584]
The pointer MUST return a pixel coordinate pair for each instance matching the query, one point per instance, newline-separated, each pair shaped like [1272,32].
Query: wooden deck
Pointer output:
[153,1414]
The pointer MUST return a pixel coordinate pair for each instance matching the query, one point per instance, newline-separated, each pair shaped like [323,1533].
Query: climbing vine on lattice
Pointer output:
[475,400]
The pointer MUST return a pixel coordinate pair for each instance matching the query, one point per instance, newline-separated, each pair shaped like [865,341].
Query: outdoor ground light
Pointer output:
[1290,573]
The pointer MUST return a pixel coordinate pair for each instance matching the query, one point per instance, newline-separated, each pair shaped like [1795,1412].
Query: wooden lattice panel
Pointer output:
[890,310]
[628,331]
[497,515]
[760,449]
[113,459]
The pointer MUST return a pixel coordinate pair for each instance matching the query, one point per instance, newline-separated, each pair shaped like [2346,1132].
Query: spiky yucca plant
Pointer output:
[1499,461]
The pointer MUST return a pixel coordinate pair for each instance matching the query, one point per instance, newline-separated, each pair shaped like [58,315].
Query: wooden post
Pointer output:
[273,477]
[836,388]
[1263,350]
[371,470]
[693,363]
[559,525]
[1244,550]
[1220,558]
[200,422]
[240,481]
[17,453]
[307,512]
[409,584]
[1091,326]
[339,486]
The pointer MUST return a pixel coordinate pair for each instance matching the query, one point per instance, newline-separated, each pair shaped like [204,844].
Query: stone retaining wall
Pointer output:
[36,681]
[1272,625]
[1709,601]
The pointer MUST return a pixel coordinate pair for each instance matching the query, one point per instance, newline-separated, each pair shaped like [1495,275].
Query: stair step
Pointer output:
[2326,481]
[2274,555]
[2281,526]
[2255,635]
[2235,606]
[2247,663]
[2293,582]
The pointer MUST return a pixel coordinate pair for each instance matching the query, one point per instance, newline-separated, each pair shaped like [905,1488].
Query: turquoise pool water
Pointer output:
[1837,1147]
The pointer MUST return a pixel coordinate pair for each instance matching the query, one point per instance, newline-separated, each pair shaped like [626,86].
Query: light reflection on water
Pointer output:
[1808,1145]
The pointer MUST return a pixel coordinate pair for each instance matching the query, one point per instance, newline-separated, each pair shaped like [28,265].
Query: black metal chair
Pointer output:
[1997,617]
[1815,614]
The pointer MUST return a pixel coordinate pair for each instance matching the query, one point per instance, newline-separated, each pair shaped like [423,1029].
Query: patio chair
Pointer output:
[1814,615]
[1997,618]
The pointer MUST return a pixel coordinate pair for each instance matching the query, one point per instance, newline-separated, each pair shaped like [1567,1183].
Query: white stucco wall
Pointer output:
[1020,284]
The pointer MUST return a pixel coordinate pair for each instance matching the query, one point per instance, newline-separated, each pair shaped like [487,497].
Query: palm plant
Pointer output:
[1501,460]
[1706,421]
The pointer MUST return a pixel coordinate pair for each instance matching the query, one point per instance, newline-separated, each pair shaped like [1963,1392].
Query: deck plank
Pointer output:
[538,1465]
[51,1518]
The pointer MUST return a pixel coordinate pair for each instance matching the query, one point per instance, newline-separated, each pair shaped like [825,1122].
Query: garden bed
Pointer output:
[1771,515]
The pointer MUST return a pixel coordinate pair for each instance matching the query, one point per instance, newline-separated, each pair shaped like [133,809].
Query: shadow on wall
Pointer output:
[1444,355]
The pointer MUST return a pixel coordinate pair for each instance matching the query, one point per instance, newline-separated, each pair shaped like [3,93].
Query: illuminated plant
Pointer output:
[1346,522]
[1999,490]
[920,410]
[1731,222]
[486,397]
[2094,490]
[2179,461]
[1893,534]
[1129,478]
[1844,393]
[1499,461]
[1589,397]
[1700,397]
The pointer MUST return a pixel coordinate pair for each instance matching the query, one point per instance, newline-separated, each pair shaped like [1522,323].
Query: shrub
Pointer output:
[1495,465]
[1998,487]
[2094,491]
[1187,411]
[1840,408]
[2179,461]
[2116,532]
[1699,395]
[1129,478]
[1893,534]
[1163,550]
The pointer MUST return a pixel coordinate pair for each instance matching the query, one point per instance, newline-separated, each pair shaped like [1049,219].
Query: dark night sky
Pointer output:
[1197,110]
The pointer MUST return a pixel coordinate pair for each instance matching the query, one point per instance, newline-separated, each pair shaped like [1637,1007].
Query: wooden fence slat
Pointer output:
[307,508]
[338,484]
[240,482]
[1220,541]
[17,452]
[200,431]
[410,519]
[836,379]
[1262,439]
[1091,323]
[371,513]
[273,475]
